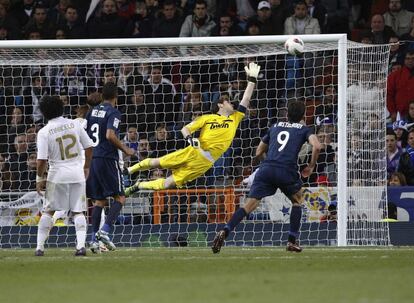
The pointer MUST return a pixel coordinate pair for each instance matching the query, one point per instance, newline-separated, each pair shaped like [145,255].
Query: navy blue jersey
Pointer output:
[285,141]
[101,118]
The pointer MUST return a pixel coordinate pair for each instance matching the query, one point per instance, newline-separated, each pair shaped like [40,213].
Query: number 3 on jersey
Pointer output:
[95,134]
[282,139]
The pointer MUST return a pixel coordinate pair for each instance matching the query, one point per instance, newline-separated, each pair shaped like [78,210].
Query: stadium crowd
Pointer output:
[156,100]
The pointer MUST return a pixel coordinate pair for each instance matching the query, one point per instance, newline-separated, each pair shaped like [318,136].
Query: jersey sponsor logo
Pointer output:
[290,125]
[98,113]
[61,128]
[116,122]
[224,124]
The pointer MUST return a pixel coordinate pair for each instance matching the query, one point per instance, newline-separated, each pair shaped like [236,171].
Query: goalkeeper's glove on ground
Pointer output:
[193,141]
[252,72]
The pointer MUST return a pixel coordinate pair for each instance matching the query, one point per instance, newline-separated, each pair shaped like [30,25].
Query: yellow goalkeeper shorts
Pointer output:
[187,164]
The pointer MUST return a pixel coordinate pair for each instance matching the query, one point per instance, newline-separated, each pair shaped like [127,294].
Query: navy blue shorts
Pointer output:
[269,178]
[105,179]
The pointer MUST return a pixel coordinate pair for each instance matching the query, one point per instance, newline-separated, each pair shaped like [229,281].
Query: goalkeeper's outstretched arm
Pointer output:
[252,71]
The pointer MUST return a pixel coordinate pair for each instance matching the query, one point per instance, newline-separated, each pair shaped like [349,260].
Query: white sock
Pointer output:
[43,229]
[80,227]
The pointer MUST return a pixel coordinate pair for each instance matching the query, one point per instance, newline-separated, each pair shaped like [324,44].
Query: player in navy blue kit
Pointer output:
[105,174]
[279,169]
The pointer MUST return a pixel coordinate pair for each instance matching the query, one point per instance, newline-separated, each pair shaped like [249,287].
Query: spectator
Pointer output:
[142,22]
[18,161]
[279,15]
[326,156]
[131,140]
[126,8]
[31,135]
[301,23]
[33,34]
[15,125]
[263,18]
[337,13]
[396,56]
[159,96]
[22,12]
[328,109]
[162,142]
[56,14]
[28,177]
[227,27]
[135,113]
[168,21]
[406,165]
[199,24]
[244,11]
[41,23]
[397,179]
[410,115]
[408,38]
[253,28]
[32,96]
[381,33]
[5,176]
[318,11]
[400,88]
[331,214]
[72,25]
[60,34]
[8,23]
[393,153]
[71,83]
[397,18]
[109,24]
[400,129]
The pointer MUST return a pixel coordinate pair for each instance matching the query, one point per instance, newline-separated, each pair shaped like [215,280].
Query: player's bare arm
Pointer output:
[252,72]
[316,148]
[88,159]
[261,151]
[113,138]
[40,179]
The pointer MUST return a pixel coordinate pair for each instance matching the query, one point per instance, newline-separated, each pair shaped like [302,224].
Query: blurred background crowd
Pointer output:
[156,99]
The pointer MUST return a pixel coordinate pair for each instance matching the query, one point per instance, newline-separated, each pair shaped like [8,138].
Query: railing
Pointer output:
[220,203]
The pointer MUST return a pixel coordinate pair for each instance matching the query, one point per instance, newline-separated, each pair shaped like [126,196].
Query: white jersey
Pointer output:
[61,142]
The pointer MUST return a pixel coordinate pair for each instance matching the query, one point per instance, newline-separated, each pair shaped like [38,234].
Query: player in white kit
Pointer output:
[60,143]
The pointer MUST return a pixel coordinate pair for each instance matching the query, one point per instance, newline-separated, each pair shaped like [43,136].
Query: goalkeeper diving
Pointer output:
[217,131]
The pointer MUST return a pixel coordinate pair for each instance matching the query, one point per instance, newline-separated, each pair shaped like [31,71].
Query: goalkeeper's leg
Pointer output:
[144,165]
[157,184]
[43,229]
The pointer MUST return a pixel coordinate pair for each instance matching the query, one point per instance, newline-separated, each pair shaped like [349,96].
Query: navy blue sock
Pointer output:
[96,220]
[235,219]
[113,214]
[295,217]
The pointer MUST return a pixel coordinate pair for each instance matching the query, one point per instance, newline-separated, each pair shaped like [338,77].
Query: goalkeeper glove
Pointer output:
[252,72]
[193,141]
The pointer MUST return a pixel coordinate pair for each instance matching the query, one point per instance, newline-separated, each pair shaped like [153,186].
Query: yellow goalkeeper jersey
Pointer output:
[217,132]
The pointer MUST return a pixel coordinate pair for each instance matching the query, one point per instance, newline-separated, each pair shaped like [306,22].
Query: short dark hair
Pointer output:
[51,107]
[390,132]
[296,111]
[109,91]
[214,106]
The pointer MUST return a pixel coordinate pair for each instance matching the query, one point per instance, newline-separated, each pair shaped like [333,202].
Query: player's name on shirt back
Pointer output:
[290,125]
[98,113]
[61,128]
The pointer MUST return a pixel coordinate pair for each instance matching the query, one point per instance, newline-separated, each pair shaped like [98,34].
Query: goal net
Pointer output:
[164,84]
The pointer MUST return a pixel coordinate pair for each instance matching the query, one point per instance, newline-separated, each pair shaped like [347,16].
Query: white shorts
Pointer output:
[65,196]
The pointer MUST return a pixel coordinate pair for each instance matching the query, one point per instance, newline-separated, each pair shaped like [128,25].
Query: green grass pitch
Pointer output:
[196,275]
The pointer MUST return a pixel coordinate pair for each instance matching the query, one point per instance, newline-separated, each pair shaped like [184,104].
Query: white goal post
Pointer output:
[360,190]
